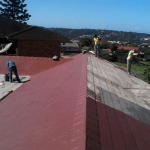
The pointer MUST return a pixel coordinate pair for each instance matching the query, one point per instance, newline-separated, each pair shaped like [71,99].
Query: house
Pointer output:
[106,51]
[70,47]
[30,40]
[128,48]
[105,44]
[75,41]
[78,103]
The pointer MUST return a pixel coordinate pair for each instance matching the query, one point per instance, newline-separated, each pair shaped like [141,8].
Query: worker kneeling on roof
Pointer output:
[12,68]
[129,59]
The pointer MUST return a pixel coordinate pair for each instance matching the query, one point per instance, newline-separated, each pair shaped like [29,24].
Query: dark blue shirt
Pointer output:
[10,64]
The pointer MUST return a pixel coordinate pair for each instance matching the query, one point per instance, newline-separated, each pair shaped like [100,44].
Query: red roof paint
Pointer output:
[128,48]
[49,112]
[111,129]
[30,65]
[75,41]
[109,50]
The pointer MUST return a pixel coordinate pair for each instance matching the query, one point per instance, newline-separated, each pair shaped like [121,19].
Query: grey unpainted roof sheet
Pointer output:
[117,89]
[7,87]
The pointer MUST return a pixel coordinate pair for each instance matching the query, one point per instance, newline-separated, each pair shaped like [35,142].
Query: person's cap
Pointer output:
[95,35]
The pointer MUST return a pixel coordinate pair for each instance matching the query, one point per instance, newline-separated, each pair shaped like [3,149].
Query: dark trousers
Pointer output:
[128,65]
[96,48]
[13,69]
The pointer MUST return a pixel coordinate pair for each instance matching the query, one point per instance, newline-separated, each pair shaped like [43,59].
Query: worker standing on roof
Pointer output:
[96,45]
[129,59]
[12,68]
[100,45]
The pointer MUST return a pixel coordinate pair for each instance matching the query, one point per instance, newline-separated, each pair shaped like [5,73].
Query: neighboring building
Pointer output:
[30,40]
[70,47]
[128,48]
[106,51]
[74,41]
[105,44]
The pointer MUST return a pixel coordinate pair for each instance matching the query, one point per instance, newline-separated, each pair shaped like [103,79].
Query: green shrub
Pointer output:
[147,74]
[106,56]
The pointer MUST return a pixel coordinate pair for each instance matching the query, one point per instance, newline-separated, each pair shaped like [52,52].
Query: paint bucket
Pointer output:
[6,77]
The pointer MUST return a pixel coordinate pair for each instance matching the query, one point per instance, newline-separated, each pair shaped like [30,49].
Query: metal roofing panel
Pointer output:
[49,112]
[30,65]
[122,115]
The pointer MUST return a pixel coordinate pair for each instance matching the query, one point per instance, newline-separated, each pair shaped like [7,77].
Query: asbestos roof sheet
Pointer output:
[6,87]
[119,104]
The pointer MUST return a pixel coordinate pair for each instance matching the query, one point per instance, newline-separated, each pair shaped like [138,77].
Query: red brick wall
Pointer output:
[38,48]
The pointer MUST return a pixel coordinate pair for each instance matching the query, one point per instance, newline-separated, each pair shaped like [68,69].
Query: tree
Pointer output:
[113,47]
[106,56]
[14,9]
[146,52]
[85,41]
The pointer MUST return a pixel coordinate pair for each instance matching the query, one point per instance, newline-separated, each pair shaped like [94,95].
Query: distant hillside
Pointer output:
[109,35]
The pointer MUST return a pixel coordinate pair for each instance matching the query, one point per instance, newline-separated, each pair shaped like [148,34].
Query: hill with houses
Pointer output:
[108,35]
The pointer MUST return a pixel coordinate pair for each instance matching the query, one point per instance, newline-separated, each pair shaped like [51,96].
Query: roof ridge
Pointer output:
[13,34]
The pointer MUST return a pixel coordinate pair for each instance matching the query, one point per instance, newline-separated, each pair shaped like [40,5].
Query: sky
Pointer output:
[119,15]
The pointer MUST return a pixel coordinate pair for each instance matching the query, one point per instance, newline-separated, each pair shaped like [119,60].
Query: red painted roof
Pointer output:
[52,111]
[110,129]
[128,48]
[30,65]
[49,112]
[75,41]
[117,119]
[109,50]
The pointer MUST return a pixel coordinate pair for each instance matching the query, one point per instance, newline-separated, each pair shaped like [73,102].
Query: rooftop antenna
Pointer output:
[104,29]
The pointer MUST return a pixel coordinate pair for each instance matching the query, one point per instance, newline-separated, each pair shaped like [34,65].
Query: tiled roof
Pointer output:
[17,30]
[37,33]
[74,41]
[30,65]
[128,48]
[109,50]
[2,36]
[70,45]
[8,26]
